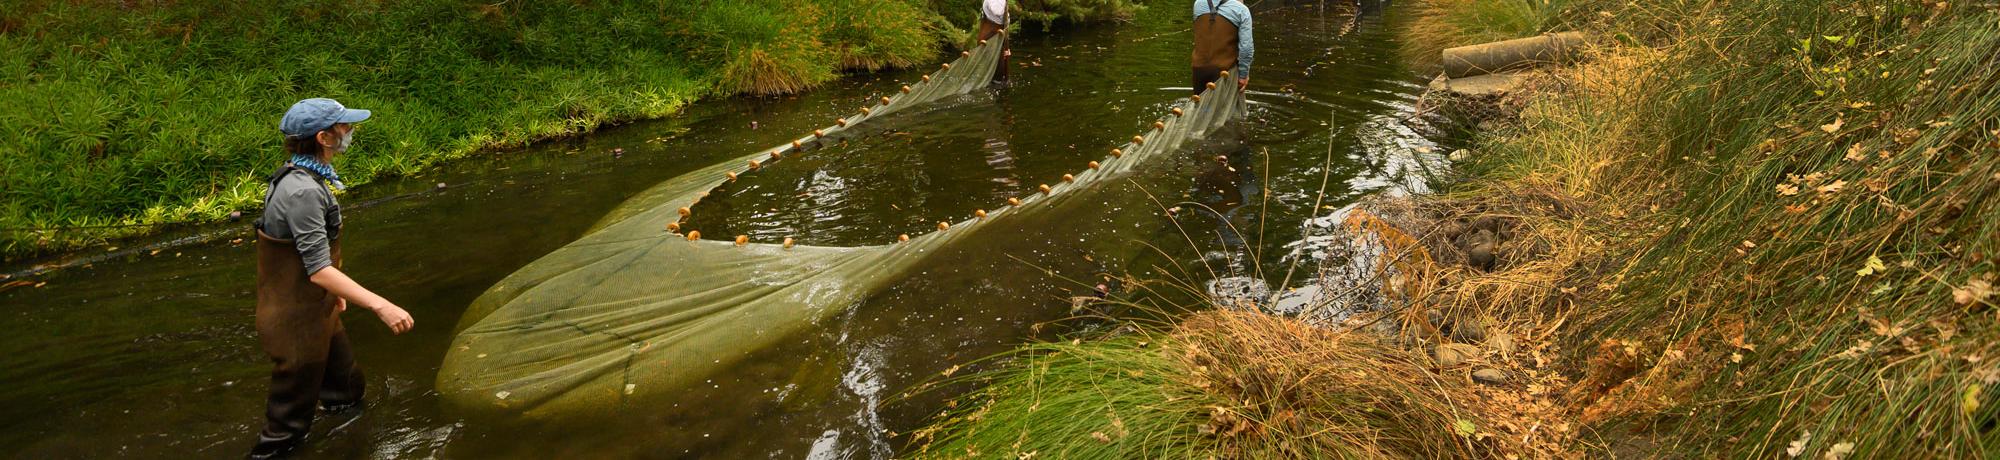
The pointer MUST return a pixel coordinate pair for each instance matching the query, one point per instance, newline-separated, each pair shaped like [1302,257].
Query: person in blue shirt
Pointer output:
[1222,42]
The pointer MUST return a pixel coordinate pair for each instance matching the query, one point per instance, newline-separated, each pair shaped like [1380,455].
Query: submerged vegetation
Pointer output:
[1757,229]
[119,116]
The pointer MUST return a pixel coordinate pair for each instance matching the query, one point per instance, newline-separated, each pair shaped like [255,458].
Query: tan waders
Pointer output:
[311,362]
[1214,49]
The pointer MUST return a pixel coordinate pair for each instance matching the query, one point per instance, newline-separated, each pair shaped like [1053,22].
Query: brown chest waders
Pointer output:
[1214,48]
[311,363]
[987,29]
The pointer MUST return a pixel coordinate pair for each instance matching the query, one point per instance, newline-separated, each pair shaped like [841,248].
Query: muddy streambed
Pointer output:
[152,354]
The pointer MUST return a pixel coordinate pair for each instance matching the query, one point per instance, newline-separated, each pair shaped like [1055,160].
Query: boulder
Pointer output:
[1454,354]
[1489,375]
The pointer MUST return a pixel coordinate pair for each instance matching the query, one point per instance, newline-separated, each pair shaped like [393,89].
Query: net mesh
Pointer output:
[633,310]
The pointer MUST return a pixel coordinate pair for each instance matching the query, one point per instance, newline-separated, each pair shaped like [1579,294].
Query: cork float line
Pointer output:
[627,306]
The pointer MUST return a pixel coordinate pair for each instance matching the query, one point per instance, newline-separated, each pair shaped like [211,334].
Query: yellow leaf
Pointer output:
[1970,403]
[1787,189]
[1834,127]
[1834,187]
[1873,266]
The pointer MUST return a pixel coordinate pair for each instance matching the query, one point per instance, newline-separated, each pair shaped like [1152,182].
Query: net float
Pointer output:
[732,176]
[776,155]
[982,41]
[1093,165]
[1211,85]
[788,242]
[1225,74]
[819,133]
[927,78]
[754,164]
[1138,140]
[1177,111]
[694,235]
[906,89]
[942,226]
[685,211]
[980,213]
[1115,153]
[1159,125]
[1044,188]
[946,66]
[674,227]
[742,240]
[865,111]
[797,145]
[885,100]
[1069,178]
[1014,201]
[902,238]
[840,121]
[1195,98]
[967,53]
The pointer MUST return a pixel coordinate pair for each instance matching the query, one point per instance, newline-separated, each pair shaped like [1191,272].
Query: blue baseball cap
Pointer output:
[311,116]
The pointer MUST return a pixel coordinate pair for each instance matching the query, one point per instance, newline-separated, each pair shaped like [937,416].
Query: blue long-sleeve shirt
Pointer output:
[1236,13]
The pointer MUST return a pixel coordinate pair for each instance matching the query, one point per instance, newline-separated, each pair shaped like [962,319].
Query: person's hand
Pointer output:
[339,305]
[393,316]
[1244,84]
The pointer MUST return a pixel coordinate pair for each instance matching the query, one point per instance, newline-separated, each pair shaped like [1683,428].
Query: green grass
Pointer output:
[126,114]
[1441,24]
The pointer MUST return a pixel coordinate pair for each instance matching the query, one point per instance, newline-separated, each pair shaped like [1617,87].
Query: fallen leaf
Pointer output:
[1856,153]
[1873,266]
[1464,428]
[1974,291]
[1970,403]
[1798,446]
[1834,127]
[1839,451]
[1787,190]
[1834,187]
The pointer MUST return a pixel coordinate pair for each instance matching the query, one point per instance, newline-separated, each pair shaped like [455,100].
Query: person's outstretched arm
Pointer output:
[340,285]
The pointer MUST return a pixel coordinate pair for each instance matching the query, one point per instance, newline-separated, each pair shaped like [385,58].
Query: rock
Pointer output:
[1239,291]
[1454,354]
[1489,375]
[235,215]
[1500,342]
[1468,330]
[1479,250]
[440,186]
[1297,300]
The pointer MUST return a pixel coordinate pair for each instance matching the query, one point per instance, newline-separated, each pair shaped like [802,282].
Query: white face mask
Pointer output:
[346,139]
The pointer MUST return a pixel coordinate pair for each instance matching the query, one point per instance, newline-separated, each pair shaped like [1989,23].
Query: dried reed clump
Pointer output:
[1224,384]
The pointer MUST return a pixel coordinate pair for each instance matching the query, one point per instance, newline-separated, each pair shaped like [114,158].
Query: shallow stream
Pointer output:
[150,352]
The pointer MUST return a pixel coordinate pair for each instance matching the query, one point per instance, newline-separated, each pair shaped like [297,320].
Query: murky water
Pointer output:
[148,354]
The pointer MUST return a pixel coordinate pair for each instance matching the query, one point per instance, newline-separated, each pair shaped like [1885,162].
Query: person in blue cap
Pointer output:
[1222,41]
[300,288]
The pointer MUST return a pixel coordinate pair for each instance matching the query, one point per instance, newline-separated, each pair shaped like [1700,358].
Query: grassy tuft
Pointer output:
[1221,384]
